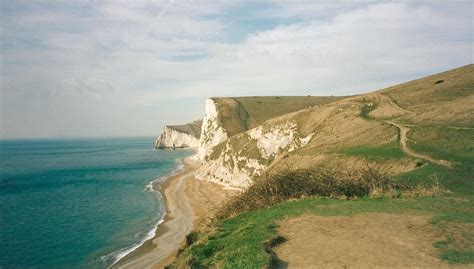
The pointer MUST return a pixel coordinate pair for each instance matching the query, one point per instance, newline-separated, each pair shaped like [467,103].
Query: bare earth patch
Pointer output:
[360,241]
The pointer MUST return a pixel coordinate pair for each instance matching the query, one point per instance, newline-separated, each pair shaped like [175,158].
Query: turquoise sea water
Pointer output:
[78,202]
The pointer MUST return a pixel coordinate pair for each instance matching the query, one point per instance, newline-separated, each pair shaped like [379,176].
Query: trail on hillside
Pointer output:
[403,141]
[441,126]
[403,135]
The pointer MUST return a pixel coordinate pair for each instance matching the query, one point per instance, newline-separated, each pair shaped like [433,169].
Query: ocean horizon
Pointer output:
[79,202]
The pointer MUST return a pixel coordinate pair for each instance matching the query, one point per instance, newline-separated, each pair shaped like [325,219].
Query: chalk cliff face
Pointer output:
[230,153]
[282,137]
[180,136]
[233,155]
[212,132]
[230,167]
[235,166]
[170,137]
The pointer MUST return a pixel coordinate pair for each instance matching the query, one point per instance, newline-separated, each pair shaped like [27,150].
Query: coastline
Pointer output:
[188,202]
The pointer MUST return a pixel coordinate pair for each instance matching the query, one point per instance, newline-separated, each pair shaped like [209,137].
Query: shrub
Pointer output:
[300,183]
[191,238]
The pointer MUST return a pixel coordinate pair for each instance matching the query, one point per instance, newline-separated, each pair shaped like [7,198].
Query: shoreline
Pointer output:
[186,205]
[152,186]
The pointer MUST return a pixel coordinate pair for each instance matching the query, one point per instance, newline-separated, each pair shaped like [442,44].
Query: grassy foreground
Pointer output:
[239,242]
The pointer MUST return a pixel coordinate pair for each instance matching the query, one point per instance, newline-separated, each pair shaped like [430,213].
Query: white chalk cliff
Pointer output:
[236,167]
[278,138]
[212,132]
[180,136]
[223,158]
[233,161]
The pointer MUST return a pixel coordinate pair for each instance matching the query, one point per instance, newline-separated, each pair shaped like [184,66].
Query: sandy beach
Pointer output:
[188,203]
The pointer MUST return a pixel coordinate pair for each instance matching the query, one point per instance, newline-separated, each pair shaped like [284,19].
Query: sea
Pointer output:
[81,203]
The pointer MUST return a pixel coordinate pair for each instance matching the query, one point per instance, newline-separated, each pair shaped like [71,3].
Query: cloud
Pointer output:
[369,47]
[137,58]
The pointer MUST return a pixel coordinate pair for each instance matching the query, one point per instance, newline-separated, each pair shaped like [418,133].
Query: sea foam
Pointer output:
[121,253]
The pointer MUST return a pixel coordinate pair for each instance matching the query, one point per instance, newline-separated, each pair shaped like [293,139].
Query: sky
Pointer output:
[123,68]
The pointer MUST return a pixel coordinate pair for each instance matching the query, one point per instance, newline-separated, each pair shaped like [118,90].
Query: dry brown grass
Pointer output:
[370,240]
[193,128]
[262,109]
[444,103]
[304,183]
[240,114]
[322,182]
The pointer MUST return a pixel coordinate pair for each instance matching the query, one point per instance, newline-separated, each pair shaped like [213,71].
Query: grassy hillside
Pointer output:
[240,114]
[240,242]
[362,121]
[421,133]
[262,108]
[443,99]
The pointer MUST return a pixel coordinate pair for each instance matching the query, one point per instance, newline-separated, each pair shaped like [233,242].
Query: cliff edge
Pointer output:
[180,136]
[244,138]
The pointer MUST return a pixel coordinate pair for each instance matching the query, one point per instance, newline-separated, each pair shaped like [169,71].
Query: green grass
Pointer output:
[455,256]
[459,180]
[379,154]
[239,242]
[443,143]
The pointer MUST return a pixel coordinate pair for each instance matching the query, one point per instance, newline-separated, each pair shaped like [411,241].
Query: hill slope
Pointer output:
[420,132]
[226,117]
[347,133]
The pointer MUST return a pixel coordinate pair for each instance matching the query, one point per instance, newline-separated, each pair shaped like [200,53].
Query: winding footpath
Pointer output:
[403,135]
[403,141]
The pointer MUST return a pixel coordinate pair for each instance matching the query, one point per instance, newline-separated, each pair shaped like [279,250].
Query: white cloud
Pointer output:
[368,47]
[137,55]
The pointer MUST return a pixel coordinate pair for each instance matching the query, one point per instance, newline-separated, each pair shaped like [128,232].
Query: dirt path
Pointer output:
[439,126]
[373,240]
[403,141]
[404,130]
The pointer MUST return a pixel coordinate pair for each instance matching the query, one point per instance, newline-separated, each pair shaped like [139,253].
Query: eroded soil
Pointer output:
[360,241]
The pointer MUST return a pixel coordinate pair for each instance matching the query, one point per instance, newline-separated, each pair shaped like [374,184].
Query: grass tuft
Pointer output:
[456,256]
[366,109]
